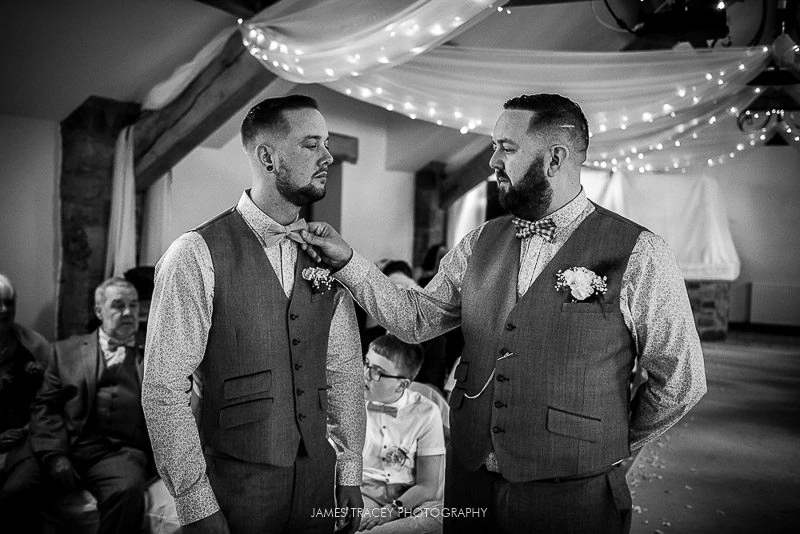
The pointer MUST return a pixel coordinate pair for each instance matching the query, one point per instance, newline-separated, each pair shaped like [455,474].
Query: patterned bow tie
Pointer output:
[375,407]
[546,228]
[275,232]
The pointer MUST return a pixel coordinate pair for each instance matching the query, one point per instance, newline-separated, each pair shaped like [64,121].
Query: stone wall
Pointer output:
[88,138]
[711,302]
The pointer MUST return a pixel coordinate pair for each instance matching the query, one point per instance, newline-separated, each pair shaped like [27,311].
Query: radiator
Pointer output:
[775,304]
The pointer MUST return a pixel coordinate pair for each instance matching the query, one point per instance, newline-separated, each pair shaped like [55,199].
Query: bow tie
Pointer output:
[545,228]
[375,407]
[276,232]
[114,344]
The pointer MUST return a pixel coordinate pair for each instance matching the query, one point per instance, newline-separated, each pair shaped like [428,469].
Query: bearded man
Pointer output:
[275,359]
[557,302]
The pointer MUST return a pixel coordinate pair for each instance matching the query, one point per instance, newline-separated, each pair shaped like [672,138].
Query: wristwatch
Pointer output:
[397,504]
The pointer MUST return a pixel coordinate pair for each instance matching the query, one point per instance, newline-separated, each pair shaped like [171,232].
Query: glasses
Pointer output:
[376,374]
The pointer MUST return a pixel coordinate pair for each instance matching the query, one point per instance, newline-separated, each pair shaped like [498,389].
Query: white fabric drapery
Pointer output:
[686,210]
[166,91]
[121,247]
[676,108]
[324,40]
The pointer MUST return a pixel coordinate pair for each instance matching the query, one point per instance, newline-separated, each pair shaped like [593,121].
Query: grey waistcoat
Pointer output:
[265,389]
[559,405]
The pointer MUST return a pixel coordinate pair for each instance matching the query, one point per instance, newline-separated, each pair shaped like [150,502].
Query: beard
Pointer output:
[531,196]
[299,196]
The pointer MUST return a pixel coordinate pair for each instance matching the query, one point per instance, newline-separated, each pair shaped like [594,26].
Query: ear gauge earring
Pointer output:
[270,168]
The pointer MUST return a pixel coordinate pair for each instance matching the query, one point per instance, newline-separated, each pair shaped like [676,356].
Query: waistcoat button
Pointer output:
[497,429]
[510,327]
[295,341]
[297,367]
[499,404]
[292,316]
[299,392]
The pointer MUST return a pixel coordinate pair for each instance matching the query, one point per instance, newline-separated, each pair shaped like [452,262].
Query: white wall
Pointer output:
[377,205]
[762,197]
[207,182]
[30,161]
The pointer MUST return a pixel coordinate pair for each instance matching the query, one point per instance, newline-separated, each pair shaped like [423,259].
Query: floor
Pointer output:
[733,464]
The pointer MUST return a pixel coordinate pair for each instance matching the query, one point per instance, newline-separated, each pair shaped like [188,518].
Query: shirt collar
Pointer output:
[253,216]
[570,211]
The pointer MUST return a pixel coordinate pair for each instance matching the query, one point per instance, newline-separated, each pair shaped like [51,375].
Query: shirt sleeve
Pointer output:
[414,315]
[346,417]
[177,332]
[663,328]
[431,438]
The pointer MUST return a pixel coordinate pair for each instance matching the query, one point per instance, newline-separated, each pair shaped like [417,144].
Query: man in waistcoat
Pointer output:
[273,343]
[87,428]
[557,302]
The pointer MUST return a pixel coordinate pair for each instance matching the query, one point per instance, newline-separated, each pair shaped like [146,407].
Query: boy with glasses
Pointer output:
[403,477]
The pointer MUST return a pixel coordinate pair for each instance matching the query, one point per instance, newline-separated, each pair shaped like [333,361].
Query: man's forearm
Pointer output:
[414,316]
[177,451]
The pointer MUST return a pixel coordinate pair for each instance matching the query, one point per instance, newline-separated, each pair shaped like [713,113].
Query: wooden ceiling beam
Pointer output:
[165,136]
[457,184]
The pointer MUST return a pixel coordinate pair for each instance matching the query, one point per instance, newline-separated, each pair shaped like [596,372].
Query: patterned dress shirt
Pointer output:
[653,302]
[177,332]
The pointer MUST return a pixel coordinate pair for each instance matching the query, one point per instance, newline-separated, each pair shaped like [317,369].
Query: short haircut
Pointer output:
[406,356]
[398,266]
[267,115]
[100,292]
[554,113]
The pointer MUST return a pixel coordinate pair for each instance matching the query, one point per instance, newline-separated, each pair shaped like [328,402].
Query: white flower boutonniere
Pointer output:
[581,283]
[319,277]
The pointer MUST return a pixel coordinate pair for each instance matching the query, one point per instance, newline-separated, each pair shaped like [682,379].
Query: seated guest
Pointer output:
[403,478]
[23,356]
[87,427]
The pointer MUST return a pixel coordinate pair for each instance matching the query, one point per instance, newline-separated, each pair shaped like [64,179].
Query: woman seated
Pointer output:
[403,478]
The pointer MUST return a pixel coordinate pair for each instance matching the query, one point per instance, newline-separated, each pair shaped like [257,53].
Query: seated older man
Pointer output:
[23,356]
[87,427]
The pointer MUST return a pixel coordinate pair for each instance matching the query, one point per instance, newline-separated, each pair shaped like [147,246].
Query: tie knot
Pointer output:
[545,228]
[275,232]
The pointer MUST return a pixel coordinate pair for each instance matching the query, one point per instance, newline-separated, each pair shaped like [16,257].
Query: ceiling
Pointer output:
[64,52]
[57,53]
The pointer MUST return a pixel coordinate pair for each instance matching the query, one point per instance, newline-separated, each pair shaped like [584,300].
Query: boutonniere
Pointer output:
[581,283]
[34,368]
[319,277]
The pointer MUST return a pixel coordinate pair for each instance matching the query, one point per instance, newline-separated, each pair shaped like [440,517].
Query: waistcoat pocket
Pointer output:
[573,425]
[245,412]
[241,386]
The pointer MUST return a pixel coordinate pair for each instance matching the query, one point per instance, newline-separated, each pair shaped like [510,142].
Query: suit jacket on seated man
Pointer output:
[87,427]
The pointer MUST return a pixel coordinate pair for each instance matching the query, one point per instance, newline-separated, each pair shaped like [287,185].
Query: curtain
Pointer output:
[121,247]
[686,210]
[157,227]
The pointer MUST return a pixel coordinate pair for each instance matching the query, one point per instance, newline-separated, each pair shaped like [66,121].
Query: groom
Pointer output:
[541,413]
